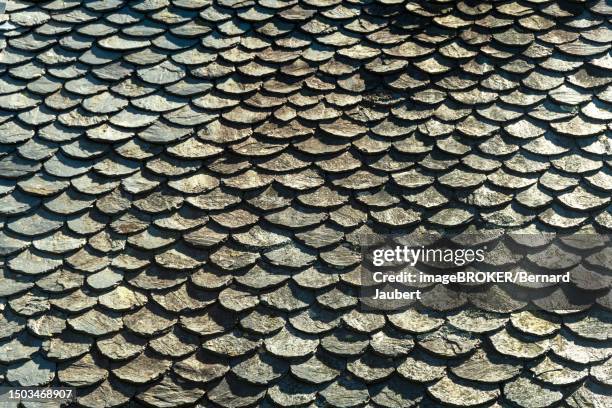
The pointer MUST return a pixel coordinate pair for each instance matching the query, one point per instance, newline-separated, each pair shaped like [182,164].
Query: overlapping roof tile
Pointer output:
[183,185]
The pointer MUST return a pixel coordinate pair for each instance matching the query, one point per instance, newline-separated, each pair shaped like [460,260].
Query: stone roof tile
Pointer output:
[185,168]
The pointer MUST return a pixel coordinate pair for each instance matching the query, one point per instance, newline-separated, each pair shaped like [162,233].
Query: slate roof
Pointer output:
[183,183]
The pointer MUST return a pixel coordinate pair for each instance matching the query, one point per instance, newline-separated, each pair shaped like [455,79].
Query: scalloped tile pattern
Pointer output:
[183,183]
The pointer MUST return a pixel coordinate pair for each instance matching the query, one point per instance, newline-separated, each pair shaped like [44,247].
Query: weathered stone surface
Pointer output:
[82,372]
[288,343]
[185,184]
[142,369]
[170,392]
[528,394]
[455,393]
[489,368]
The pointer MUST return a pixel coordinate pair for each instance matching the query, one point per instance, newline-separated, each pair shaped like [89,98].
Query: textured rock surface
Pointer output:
[183,184]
